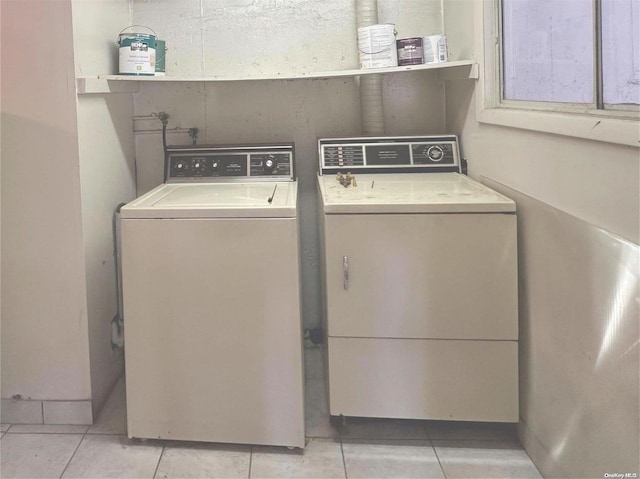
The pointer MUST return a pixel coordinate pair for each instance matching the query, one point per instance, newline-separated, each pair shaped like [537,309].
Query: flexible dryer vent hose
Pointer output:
[371,106]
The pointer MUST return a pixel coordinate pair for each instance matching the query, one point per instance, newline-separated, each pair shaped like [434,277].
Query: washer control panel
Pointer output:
[389,154]
[211,163]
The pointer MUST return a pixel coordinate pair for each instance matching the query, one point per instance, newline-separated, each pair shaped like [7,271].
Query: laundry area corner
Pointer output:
[328,239]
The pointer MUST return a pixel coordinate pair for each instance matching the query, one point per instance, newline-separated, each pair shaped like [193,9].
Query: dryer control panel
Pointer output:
[201,163]
[405,154]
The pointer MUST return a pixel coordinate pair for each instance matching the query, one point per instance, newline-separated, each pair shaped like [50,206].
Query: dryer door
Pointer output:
[445,276]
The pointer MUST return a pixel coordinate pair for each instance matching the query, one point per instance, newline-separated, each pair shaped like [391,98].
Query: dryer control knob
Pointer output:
[180,166]
[270,164]
[435,153]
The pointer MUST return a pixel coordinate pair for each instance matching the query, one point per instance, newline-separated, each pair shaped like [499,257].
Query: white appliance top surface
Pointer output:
[411,193]
[216,200]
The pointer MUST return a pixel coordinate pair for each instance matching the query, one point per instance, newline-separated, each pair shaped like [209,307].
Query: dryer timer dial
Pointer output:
[435,153]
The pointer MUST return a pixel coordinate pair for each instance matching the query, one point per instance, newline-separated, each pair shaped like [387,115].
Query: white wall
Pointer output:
[96,24]
[251,38]
[594,181]
[108,179]
[579,213]
[107,175]
[70,162]
[45,352]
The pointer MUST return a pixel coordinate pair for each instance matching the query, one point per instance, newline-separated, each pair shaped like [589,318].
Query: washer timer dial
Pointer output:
[270,164]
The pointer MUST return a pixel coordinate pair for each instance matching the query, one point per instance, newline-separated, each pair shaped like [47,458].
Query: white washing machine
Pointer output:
[420,283]
[211,288]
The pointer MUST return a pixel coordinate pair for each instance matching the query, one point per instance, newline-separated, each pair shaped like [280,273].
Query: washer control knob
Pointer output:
[435,153]
[214,165]
[270,164]
[180,166]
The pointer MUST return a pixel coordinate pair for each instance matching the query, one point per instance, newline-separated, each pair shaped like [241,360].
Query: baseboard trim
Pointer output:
[27,411]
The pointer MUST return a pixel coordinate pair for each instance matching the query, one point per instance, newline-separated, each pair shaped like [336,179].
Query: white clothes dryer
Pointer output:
[211,290]
[420,283]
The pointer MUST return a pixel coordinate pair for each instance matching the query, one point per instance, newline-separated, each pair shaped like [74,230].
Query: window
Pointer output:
[620,23]
[584,54]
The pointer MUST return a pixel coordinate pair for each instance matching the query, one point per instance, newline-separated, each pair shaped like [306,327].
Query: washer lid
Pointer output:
[216,200]
[412,193]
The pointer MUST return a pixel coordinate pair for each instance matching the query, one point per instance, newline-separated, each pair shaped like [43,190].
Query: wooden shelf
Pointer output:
[130,83]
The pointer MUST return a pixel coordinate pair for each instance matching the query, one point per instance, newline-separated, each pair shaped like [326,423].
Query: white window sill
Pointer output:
[598,128]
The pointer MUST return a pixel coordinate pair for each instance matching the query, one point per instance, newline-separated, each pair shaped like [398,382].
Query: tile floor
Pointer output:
[361,449]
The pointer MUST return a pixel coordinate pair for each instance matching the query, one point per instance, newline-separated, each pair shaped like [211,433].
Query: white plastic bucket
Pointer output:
[435,49]
[377,45]
[137,53]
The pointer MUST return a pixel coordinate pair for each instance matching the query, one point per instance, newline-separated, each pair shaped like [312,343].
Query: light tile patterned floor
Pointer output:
[364,448]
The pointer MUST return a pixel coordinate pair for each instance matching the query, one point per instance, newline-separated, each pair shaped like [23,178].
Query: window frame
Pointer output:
[614,125]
